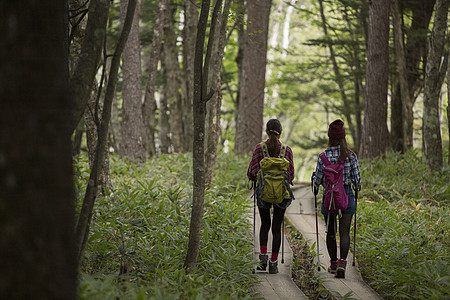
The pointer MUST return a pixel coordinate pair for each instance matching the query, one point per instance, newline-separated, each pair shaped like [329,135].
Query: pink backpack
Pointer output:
[336,200]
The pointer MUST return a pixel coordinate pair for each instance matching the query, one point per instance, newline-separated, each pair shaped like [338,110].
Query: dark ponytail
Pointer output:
[273,130]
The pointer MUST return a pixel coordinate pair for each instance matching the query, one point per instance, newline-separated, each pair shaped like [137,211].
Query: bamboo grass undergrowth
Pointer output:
[139,233]
[403,228]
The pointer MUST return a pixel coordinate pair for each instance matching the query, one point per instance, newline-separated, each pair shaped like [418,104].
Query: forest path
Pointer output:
[275,286]
[301,214]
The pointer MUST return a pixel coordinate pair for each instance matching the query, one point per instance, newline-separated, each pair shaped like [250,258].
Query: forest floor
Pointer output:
[301,215]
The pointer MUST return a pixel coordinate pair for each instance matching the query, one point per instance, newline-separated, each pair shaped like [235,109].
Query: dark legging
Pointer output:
[344,234]
[278,215]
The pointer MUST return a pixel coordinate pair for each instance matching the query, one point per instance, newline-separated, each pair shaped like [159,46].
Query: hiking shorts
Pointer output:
[266,205]
[351,207]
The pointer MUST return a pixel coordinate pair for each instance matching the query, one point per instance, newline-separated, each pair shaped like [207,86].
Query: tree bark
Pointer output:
[199,111]
[249,125]
[375,132]
[396,136]
[36,187]
[133,135]
[189,34]
[91,119]
[416,45]
[115,130]
[414,55]
[434,76]
[149,106]
[172,85]
[357,78]
[215,103]
[407,115]
[240,12]
[338,76]
[78,10]
[83,76]
[163,122]
[77,139]
[84,220]
[448,107]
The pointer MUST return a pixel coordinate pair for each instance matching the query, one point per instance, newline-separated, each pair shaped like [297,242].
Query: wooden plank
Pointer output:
[276,286]
[302,216]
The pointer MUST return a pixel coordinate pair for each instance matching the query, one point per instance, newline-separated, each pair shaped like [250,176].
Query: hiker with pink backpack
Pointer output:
[337,170]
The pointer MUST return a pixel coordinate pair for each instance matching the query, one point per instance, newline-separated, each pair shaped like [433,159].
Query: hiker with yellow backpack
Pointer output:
[272,171]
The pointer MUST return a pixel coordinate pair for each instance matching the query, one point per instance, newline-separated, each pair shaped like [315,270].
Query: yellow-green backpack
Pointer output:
[272,184]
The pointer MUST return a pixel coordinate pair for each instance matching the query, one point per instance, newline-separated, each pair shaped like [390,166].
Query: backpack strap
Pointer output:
[324,159]
[264,149]
[282,151]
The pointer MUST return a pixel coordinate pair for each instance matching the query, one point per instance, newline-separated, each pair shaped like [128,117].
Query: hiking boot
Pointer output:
[263,258]
[340,270]
[273,267]
[332,268]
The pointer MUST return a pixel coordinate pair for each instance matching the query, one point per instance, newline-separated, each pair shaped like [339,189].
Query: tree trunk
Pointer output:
[189,34]
[172,86]
[375,132]
[414,49]
[249,126]
[78,10]
[357,79]
[149,106]
[84,220]
[163,121]
[416,45]
[396,136]
[434,76]
[83,76]
[77,139]
[91,119]
[407,115]
[36,187]
[215,103]
[240,12]
[448,108]
[199,111]
[338,76]
[115,130]
[133,135]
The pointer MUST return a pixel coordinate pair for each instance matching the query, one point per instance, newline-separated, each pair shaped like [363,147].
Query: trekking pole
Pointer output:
[316,190]
[282,244]
[354,226]
[254,222]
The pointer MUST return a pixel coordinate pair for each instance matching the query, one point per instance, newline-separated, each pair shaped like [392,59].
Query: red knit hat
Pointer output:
[336,130]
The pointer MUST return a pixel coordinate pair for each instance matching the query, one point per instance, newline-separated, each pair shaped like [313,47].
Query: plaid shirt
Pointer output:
[351,172]
[258,155]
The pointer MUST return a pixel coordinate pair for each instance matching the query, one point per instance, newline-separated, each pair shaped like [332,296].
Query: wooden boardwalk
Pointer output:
[276,286]
[301,214]
[280,286]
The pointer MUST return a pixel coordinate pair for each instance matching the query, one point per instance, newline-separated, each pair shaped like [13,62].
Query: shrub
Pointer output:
[139,233]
